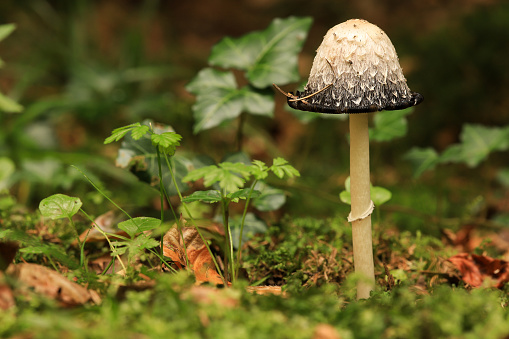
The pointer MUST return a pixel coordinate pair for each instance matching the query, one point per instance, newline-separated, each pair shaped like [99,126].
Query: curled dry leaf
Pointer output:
[476,269]
[199,257]
[52,284]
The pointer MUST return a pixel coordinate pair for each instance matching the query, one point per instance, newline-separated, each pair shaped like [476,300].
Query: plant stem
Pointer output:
[239,250]
[161,194]
[112,248]
[240,132]
[227,240]
[361,201]
[225,281]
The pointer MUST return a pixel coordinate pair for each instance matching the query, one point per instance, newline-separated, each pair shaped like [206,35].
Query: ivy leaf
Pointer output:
[258,102]
[268,56]
[219,100]
[252,226]
[270,199]
[280,168]
[119,133]
[210,196]
[422,159]
[60,206]
[389,125]
[137,225]
[477,142]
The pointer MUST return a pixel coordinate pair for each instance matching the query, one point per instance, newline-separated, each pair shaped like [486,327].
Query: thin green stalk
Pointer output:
[161,194]
[161,186]
[101,192]
[227,240]
[112,248]
[240,131]
[239,250]
[196,227]
[162,259]
[177,220]
[80,244]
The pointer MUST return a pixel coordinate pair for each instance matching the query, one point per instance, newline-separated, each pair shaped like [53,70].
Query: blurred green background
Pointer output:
[82,68]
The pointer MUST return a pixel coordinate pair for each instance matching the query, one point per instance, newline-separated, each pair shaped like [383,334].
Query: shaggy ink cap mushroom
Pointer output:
[355,70]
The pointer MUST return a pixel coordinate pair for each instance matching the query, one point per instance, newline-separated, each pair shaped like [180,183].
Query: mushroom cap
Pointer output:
[359,64]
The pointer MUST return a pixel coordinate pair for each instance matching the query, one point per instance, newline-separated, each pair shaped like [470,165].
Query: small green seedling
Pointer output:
[229,180]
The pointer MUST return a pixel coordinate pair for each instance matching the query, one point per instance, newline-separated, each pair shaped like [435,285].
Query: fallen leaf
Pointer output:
[475,269]
[266,290]
[52,284]
[199,257]
[325,331]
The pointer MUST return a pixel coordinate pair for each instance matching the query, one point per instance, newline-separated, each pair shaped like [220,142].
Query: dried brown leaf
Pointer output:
[52,284]
[476,269]
[199,257]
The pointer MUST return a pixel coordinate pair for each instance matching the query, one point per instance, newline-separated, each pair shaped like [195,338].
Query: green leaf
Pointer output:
[252,226]
[345,197]
[138,132]
[167,142]
[60,206]
[219,100]
[211,79]
[422,159]
[280,168]
[477,142]
[259,170]
[258,102]
[119,133]
[229,176]
[7,168]
[9,105]
[243,194]
[6,30]
[389,125]
[270,199]
[135,246]
[379,195]
[503,177]
[210,196]
[140,224]
[140,157]
[268,56]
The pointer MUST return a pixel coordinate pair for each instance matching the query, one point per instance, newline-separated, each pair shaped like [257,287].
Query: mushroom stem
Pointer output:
[361,203]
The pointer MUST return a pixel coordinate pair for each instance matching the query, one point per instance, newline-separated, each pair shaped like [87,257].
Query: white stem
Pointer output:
[361,202]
